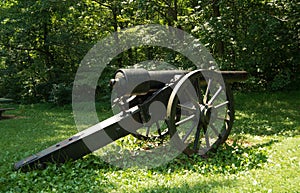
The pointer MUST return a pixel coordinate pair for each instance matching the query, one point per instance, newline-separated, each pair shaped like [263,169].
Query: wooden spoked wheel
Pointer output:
[151,131]
[205,104]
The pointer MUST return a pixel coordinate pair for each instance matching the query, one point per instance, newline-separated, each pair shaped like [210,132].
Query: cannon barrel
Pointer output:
[140,81]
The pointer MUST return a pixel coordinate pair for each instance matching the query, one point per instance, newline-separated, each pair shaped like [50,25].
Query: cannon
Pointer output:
[196,106]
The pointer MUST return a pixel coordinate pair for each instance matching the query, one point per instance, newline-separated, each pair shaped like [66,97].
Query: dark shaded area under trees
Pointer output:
[43,42]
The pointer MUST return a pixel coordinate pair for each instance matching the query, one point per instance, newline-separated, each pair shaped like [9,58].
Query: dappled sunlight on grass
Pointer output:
[261,154]
[268,114]
[39,126]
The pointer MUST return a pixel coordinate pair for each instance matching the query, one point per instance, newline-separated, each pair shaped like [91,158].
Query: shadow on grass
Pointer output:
[3,117]
[90,174]
[268,114]
[81,174]
[228,159]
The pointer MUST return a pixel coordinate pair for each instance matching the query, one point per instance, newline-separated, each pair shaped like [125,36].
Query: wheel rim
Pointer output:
[206,106]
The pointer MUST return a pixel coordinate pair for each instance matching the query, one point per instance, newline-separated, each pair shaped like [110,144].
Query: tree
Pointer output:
[43,42]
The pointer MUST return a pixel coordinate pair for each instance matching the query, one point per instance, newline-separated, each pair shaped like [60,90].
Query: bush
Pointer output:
[61,94]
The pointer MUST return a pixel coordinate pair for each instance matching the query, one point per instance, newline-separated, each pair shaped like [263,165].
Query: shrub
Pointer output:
[61,94]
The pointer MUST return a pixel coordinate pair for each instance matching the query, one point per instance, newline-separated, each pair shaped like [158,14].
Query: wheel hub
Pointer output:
[207,114]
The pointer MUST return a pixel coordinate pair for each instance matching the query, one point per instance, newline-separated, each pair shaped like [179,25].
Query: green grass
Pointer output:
[262,153]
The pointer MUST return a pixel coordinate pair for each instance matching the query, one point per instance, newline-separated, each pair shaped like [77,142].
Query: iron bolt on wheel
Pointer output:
[207,113]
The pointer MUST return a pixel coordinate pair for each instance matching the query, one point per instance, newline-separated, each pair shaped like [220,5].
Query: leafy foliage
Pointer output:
[256,36]
[43,42]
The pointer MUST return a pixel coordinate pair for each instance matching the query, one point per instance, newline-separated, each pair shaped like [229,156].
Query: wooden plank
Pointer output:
[5,100]
[2,110]
[6,109]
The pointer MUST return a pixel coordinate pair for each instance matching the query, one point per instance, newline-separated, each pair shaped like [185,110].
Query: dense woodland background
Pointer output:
[42,42]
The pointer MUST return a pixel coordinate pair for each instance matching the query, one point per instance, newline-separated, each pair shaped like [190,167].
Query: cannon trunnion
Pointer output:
[196,106]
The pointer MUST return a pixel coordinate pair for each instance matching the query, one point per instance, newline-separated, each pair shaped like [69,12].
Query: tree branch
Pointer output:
[27,49]
[103,4]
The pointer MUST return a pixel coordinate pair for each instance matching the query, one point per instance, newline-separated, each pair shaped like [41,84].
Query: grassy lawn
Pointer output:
[262,153]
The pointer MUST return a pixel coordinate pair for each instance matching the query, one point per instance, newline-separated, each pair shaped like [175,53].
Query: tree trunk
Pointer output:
[216,13]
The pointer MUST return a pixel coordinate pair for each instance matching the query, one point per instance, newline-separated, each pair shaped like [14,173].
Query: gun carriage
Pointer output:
[196,108]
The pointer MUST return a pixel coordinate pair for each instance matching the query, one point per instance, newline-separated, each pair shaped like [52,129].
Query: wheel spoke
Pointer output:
[190,109]
[215,130]
[158,128]
[205,99]
[222,104]
[185,120]
[197,87]
[215,95]
[188,133]
[207,140]
[147,131]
